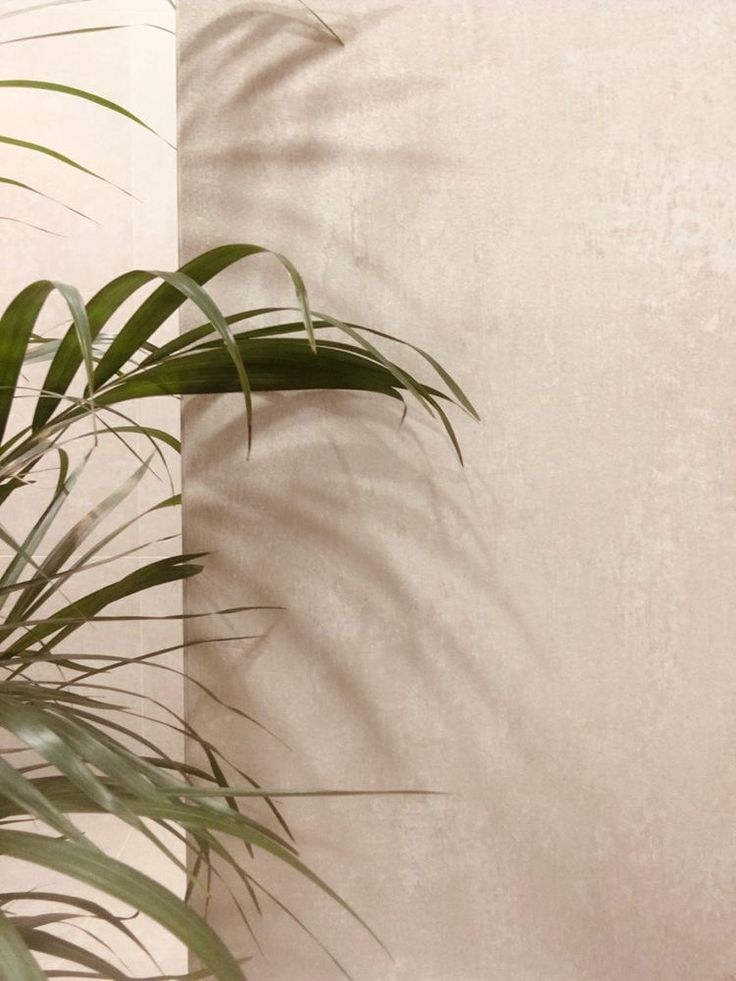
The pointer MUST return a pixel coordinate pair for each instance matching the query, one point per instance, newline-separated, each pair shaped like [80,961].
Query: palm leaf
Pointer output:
[23,554]
[167,299]
[333,34]
[16,961]
[126,884]
[16,327]
[28,799]
[71,617]
[28,83]
[97,760]
[45,942]
[31,224]
[61,157]
[103,305]
[11,182]
[29,599]
[40,6]
[85,30]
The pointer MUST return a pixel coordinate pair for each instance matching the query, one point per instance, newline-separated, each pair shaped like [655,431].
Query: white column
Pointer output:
[130,228]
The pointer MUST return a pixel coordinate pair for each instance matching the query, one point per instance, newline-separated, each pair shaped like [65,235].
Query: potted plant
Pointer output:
[72,746]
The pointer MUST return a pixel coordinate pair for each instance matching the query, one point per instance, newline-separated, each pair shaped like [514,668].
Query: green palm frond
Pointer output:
[209,360]
[82,751]
[77,743]
[70,90]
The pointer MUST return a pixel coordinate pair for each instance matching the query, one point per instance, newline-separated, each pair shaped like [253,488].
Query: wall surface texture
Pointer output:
[542,194]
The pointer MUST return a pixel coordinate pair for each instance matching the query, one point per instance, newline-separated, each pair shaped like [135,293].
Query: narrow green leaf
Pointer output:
[194,292]
[16,326]
[46,735]
[106,560]
[33,190]
[69,543]
[198,816]
[29,799]
[201,332]
[40,6]
[130,886]
[100,309]
[30,224]
[85,30]
[152,574]
[16,961]
[229,822]
[44,942]
[272,366]
[49,152]
[87,906]
[324,24]
[448,428]
[28,83]
[152,433]
[38,531]
[189,337]
[80,320]
[402,377]
[167,299]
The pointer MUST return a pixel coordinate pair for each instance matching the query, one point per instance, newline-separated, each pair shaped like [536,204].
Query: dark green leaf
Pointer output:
[28,83]
[16,326]
[100,309]
[156,573]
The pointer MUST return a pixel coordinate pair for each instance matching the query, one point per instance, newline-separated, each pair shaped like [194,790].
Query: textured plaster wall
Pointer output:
[542,194]
[135,68]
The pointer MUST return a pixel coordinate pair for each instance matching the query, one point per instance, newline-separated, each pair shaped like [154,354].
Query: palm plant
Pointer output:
[73,746]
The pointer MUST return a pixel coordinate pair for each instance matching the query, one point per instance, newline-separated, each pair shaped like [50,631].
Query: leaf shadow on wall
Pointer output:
[262,124]
[377,673]
[385,580]
[245,147]
[401,658]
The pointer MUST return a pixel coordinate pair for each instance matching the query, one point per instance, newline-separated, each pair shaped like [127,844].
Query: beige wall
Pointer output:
[542,193]
[135,68]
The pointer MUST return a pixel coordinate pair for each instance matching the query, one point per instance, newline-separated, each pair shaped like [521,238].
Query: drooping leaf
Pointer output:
[79,903]
[62,158]
[129,886]
[272,366]
[68,359]
[31,224]
[63,622]
[28,601]
[45,942]
[16,326]
[11,182]
[30,800]
[80,321]
[16,961]
[57,87]
[168,298]
[189,288]
[333,34]
[40,6]
[85,30]
[37,533]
